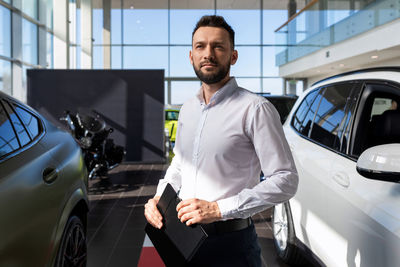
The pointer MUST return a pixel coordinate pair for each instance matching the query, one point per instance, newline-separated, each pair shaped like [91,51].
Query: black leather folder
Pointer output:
[175,242]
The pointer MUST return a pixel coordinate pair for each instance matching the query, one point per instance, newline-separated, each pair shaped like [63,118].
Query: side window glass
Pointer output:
[19,128]
[329,120]
[305,113]
[30,121]
[383,121]
[381,104]
[8,139]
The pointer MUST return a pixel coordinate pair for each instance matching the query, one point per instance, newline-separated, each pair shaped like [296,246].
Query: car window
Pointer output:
[172,115]
[378,117]
[381,104]
[30,121]
[8,139]
[304,115]
[19,128]
[329,121]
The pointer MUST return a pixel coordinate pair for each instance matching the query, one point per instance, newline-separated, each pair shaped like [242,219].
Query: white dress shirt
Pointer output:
[221,148]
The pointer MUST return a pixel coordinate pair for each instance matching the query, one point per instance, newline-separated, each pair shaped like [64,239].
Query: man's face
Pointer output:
[212,54]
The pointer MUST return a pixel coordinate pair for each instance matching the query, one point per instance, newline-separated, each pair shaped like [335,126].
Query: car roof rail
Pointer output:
[389,68]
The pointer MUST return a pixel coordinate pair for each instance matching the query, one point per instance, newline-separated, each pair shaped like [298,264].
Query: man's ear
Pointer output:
[191,57]
[234,57]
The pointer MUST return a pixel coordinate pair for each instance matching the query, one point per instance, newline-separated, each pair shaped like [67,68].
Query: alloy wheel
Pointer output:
[280,226]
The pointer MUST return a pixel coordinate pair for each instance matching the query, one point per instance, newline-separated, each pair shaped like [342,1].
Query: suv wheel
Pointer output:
[284,236]
[73,250]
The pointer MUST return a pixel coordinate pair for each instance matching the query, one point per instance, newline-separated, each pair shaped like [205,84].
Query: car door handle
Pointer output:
[342,179]
[50,174]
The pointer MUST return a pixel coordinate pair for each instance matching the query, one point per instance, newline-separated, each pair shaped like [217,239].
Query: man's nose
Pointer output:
[209,52]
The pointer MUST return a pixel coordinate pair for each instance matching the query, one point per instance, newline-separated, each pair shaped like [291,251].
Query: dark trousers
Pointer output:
[234,249]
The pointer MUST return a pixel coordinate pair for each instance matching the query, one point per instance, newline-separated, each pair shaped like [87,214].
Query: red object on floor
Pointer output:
[149,256]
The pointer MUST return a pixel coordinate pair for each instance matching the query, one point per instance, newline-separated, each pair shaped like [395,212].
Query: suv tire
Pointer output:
[284,235]
[73,249]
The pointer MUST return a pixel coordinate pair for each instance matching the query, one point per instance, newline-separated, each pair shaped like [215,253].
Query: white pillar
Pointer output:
[86,34]
[61,35]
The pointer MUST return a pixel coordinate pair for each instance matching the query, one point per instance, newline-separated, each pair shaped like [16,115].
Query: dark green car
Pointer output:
[43,191]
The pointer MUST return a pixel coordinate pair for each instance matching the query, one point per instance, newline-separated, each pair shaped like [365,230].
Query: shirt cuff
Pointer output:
[228,207]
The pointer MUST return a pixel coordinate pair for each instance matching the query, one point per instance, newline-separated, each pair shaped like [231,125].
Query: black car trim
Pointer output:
[366,70]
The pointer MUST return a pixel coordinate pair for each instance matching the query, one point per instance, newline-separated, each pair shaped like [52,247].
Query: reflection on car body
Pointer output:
[347,209]
[43,191]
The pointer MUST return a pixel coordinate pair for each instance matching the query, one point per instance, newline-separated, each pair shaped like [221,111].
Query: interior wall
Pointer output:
[130,101]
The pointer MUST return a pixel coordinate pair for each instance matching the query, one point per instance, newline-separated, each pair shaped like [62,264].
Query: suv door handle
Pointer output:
[50,174]
[342,179]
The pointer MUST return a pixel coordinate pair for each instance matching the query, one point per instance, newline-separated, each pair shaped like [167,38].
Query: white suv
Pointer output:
[343,133]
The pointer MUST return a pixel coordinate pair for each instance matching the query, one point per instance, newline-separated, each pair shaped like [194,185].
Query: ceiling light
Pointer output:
[374,57]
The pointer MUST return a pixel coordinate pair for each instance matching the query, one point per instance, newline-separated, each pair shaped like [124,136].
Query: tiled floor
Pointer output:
[116,220]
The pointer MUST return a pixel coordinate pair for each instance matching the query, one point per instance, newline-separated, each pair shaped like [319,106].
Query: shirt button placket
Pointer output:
[196,148]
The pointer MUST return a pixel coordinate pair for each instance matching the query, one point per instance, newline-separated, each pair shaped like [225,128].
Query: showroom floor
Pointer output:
[116,221]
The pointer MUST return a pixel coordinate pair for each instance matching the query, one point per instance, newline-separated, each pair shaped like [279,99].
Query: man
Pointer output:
[225,136]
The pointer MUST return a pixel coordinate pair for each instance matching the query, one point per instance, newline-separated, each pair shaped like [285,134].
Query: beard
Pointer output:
[214,77]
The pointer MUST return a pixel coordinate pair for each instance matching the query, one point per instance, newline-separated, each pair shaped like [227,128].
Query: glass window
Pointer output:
[248,63]
[145,26]
[116,25]
[272,20]
[171,115]
[116,57]
[29,42]
[331,111]
[5,32]
[273,86]
[29,7]
[181,91]
[236,13]
[304,115]
[98,57]
[269,65]
[5,76]
[180,62]
[30,121]
[182,23]
[145,57]
[98,26]
[18,127]
[8,139]
[251,84]
[49,13]
[49,50]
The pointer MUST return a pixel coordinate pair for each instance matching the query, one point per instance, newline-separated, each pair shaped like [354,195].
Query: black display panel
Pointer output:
[130,101]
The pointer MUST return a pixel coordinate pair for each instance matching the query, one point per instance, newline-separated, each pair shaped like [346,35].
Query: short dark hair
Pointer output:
[218,22]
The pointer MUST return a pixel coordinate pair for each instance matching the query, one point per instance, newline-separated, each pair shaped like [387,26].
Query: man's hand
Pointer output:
[152,214]
[196,210]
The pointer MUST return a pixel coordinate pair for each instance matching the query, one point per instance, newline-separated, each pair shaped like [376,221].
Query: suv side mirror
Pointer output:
[380,163]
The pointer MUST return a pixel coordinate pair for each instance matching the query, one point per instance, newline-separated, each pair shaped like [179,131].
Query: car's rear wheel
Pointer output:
[73,250]
[284,235]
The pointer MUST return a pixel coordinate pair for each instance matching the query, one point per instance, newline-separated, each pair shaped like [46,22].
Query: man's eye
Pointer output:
[199,46]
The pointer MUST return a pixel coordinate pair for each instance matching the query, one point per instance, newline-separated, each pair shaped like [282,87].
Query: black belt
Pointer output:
[221,227]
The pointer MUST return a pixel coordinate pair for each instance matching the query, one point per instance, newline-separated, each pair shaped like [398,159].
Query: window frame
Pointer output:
[370,86]
[356,90]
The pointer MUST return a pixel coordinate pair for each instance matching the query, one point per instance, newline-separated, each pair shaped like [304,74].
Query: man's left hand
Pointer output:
[196,210]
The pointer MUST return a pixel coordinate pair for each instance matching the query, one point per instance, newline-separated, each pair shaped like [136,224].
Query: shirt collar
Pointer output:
[222,93]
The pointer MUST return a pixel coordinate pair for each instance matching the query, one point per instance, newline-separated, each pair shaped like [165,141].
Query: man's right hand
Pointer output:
[152,214]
